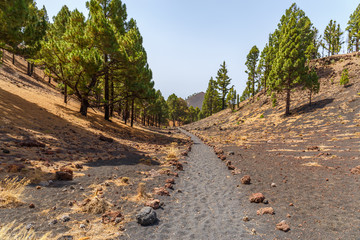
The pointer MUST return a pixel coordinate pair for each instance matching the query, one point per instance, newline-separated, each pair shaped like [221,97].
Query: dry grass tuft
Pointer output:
[312,164]
[10,232]
[141,194]
[172,153]
[95,205]
[11,190]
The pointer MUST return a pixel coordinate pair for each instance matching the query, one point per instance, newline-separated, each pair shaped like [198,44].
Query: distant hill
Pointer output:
[196,100]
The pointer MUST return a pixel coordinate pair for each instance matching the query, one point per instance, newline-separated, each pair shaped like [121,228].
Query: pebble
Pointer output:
[6,151]
[273,185]
[72,187]
[64,190]
[81,188]
[265,201]
[65,218]
[82,225]
[53,222]
[29,226]
[32,205]
[246,219]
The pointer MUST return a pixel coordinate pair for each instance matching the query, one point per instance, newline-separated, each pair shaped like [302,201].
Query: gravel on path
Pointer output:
[208,206]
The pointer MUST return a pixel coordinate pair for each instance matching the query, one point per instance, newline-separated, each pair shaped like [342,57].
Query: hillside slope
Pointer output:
[196,100]
[308,155]
[40,135]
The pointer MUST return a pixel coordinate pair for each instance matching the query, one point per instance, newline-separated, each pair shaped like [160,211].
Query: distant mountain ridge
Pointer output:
[195,100]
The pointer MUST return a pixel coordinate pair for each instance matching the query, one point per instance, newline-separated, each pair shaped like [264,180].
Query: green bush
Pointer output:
[344,80]
[274,100]
[262,116]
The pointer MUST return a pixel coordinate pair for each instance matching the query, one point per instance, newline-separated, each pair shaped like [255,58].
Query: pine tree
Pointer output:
[251,64]
[267,57]
[353,29]
[344,80]
[34,31]
[223,81]
[13,16]
[231,98]
[68,57]
[173,108]
[312,84]
[295,38]
[106,22]
[211,103]
[332,37]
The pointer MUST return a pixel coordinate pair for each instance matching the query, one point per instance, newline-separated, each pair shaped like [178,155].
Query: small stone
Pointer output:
[32,205]
[146,216]
[291,204]
[82,225]
[29,226]
[161,191]
[355,170]
[118,219]
[71,204]
[6,151]
[267,210]
[253,231]
[257,198]
[66,237]
[169,186]
[283,226]
[81,188]
[64,190]
[38,187]
[106,139]
[273,184]
[111,216]
[64,175]
[72,187]
[170,180]
[65,218]
[155,204]
[246,179]
[288,215]
[53,222]
[231,153]
[246,219]
[265,201]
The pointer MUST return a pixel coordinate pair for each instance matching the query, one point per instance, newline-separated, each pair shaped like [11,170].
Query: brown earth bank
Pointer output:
[304,164]
[108,166]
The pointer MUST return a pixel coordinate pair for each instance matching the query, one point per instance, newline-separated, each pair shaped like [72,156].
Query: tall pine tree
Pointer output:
[332,37]
[251,64]
[295,36]
[223,82]
[353,29]
[212,102]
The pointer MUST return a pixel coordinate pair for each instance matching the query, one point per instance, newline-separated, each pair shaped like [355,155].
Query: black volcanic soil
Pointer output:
[308,155]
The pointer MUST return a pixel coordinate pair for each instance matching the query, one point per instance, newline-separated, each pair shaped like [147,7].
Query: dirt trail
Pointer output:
[208,206]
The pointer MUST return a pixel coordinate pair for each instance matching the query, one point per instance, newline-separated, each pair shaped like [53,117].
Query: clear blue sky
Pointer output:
[187,40]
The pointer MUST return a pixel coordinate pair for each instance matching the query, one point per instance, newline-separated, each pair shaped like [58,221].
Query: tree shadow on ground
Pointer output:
[115,129]
[307,108]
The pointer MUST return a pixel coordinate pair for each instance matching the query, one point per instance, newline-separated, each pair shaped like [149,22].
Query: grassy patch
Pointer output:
[11,190]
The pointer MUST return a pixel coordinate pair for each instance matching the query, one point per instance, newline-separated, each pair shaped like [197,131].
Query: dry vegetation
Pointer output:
[11,190]
[60,138]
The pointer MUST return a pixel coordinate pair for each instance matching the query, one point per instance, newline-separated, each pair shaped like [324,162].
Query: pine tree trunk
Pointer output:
[144,116]
[32,69]
[13,59]
[106,93]
[84,106]
[111,98]
[65,93]
[126,111]
[310,97]
[132,112]
[287,111]
[49,80]
[28,69]
[357,44]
